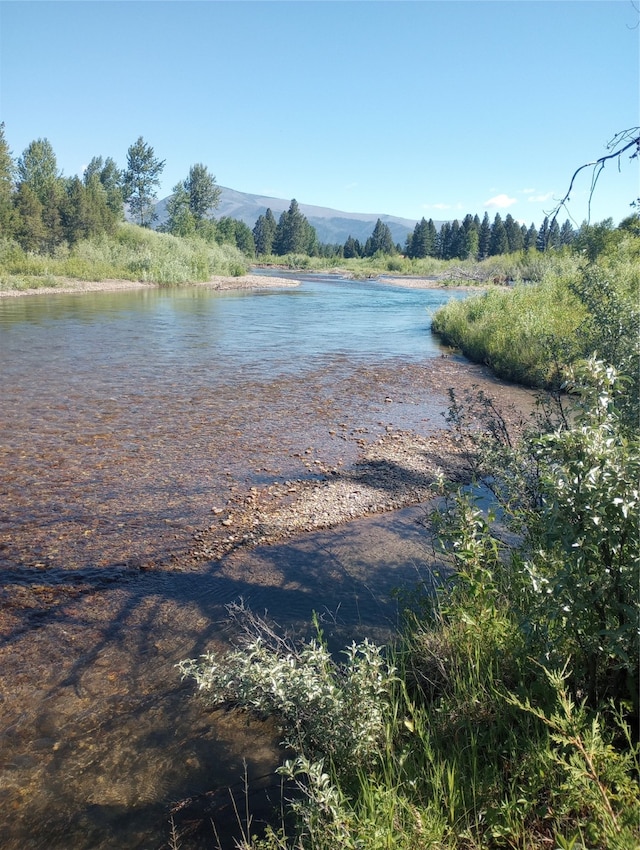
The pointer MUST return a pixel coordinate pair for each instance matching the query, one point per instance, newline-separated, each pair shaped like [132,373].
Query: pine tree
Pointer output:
[421,243]
[567,233]
[484,238]
[499,243]
[514,234]
[531,238]
[264,232]
[349,251]
[470,238]
[380,240]
[542,241]
[294,234]
[444,242]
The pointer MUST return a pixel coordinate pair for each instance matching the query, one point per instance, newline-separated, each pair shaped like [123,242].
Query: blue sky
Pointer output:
[413,108]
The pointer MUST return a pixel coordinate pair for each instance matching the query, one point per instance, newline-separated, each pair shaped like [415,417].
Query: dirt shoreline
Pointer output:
[217,282]
[220,283]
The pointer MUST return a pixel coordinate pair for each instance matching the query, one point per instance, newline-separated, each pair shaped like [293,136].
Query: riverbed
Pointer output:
[165,454]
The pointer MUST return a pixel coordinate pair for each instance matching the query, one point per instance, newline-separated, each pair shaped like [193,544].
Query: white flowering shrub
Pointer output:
[327,709]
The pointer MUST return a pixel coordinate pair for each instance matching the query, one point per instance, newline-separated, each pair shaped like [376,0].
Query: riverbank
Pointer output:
[69,286]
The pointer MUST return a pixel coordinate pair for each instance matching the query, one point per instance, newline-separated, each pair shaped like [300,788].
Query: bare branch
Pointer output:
[620,143]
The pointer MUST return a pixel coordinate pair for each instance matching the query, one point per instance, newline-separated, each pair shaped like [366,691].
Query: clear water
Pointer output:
[124,418]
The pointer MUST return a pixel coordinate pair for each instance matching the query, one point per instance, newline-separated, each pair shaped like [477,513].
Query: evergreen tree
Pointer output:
[141,181]
[470,238]
[264,232]
[567,234]
[456,247]
[514,234]
[554,235]
[419,244]
[444,241]
[294,234]
[484,238]
[542,240]
[380,240]
[350,250]
[498,244]
[530,240]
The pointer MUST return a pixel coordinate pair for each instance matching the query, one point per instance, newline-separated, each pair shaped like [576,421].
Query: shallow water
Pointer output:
[125,418]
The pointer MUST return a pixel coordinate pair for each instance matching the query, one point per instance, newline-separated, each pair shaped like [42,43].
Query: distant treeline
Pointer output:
[41,210]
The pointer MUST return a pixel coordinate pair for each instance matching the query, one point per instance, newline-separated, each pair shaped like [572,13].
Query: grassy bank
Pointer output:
[132,253]
[585,301]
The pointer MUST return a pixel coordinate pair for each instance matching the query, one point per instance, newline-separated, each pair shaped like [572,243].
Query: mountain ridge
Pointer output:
[332,226]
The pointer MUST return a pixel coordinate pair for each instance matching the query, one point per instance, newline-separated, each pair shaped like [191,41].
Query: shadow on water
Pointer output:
[110,738]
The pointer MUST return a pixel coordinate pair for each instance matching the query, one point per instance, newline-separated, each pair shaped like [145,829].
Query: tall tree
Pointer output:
[180,221]
[264,232]
[204,195]
[499,243]
[141,181]
[514,234]
[38,168]
[484,237]
[567,233]
[110,177]
[421,243]
[531,237]
[542,241]
[294,234]
[380,240]
[470,238]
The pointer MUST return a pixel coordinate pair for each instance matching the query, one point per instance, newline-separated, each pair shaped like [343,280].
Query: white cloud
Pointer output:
[350,186]
[500,201]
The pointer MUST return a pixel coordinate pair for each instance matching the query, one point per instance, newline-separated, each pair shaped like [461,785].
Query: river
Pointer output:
[127,421]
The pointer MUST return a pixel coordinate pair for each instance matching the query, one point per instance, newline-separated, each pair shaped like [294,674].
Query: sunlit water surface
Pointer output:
[124,419]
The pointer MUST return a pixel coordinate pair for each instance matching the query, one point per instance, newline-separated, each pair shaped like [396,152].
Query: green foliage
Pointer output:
[328,711]
[528,333]
[294,234]
[263,233]
[130,253]
[38,169]
[141,179]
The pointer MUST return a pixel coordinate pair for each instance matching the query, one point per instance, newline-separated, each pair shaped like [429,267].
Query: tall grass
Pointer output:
[529,332]
[132,253]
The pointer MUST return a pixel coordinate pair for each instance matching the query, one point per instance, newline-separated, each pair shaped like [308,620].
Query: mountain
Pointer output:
[332,226]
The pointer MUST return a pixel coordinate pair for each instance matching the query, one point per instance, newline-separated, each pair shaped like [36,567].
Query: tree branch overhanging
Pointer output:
[621,142]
